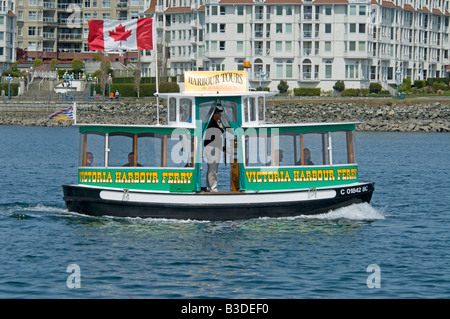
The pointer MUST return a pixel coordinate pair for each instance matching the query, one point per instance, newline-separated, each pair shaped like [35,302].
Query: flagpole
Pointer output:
[74,112]
[155,44]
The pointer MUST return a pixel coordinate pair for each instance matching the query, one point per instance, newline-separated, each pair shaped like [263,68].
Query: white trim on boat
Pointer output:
[216,199]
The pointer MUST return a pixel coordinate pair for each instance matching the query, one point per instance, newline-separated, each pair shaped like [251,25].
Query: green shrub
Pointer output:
[431,81]
[351,92]
[375,87]
[14,88]
[283,87]
[307,91]
[339,86]
[420,83]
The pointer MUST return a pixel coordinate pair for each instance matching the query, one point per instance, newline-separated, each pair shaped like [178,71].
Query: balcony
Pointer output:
[49,5]
[309,77]
[49,35]
[122,5]
[49,19]
[70,36]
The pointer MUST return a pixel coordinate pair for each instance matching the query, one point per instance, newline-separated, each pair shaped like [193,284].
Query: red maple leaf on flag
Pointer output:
[119,33]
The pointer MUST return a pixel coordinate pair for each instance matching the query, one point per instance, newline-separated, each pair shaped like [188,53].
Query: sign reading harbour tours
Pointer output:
[215,81]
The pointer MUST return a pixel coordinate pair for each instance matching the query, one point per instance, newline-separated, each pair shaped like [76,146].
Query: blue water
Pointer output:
[404,231]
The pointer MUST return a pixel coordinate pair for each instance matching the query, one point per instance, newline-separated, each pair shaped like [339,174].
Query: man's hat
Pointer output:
[219,107]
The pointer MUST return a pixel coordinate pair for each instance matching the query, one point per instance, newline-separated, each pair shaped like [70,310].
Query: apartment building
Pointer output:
[308,43]
[59,28]
[7,35]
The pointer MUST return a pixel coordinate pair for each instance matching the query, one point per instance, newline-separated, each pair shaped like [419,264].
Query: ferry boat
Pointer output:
[273,170]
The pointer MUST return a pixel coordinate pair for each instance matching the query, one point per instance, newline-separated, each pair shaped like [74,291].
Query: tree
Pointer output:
[104,70]
[37,62]
[137,76]
[77,65]
[53,64]
[283,87]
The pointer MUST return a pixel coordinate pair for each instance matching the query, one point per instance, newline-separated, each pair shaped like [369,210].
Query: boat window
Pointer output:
[149,149]
[205,110]
[252,109]
[257,147]
[186,110]
[261,111]
[315,146]
[180,150]
[92,150]
[172,110]
[120,146]
[245,108]
[343,147]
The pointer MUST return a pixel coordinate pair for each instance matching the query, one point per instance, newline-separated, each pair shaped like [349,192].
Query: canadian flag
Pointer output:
[111,35]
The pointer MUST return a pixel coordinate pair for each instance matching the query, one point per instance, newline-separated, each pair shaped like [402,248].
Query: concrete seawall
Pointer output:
[409,115]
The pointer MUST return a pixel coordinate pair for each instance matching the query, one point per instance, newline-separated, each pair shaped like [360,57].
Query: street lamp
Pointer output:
[71,86]
[9,78]
[66,81]
[90,79]
[262,75]
[398,73]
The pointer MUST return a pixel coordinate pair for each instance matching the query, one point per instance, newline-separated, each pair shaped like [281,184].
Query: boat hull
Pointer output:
[96,201]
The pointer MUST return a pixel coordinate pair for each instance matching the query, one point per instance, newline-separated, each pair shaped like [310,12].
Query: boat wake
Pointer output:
[359,212]
[24,210]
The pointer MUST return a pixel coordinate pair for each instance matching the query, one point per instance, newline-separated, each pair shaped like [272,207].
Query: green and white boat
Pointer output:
[271,173]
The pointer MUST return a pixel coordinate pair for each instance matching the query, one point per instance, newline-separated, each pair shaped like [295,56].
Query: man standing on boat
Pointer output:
[213,148]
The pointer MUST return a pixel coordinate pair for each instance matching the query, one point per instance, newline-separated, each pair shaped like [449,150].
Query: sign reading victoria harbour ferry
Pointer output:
[213,81]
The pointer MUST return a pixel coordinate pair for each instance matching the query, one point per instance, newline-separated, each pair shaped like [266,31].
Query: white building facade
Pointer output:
[306,43]
[7,35]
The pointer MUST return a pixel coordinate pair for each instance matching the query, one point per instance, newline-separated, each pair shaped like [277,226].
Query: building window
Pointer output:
[327,27]
[288,46]
[327,46]
[279,69]
[288,28]
[352,28]
[328,69]
[362,46]
[31,31]
[240,46]
[222,45]
[351,45]
[279,46]
[288,69]
[32,16]
[362,28]
[279,28]
[362,10]
[240,28]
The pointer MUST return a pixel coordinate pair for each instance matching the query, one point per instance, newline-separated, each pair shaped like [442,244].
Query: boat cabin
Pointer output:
[259,156]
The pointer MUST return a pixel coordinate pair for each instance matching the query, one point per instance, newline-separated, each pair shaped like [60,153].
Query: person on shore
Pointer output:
[213,147]
[131,162]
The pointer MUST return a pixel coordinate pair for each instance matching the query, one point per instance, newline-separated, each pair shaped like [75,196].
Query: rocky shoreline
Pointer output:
[409,115]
